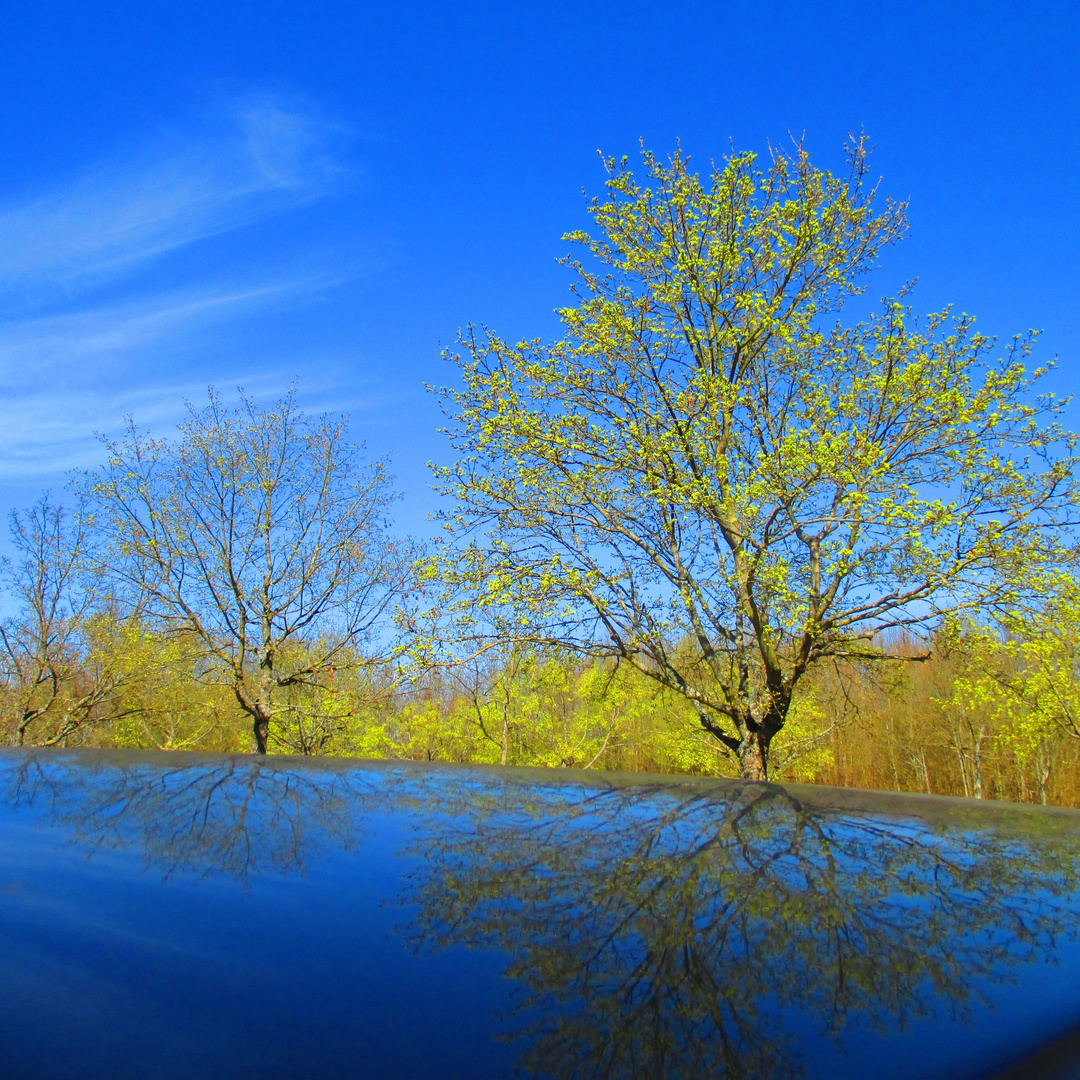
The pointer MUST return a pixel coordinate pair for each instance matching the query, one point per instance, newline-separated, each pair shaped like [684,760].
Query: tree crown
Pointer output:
[708,478]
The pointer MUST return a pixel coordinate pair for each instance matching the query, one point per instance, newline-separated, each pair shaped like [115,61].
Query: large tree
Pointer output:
[714,478]
[262,534]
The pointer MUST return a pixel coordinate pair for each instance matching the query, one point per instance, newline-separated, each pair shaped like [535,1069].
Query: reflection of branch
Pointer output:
[235,816]
[650,927]
[653,929]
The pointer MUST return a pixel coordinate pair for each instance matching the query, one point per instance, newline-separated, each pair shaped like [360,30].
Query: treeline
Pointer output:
[968,719]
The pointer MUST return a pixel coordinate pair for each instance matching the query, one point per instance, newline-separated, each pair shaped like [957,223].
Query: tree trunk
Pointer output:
[754,756]
[1042,769]
[263,706]
[261,727]
[925,770]
[961,758]
[976,765]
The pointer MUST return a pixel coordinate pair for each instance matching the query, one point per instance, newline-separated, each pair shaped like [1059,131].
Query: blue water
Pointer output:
[181,916]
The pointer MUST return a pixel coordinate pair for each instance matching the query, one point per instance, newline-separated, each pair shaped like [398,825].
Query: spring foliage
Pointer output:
[720,526]
[720,480]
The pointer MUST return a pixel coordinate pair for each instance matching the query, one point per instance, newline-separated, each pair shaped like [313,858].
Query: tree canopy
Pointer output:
[717,477]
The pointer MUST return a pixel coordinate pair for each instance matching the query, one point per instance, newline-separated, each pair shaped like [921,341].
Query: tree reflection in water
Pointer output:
[673,931]
[654,930]
[233,816]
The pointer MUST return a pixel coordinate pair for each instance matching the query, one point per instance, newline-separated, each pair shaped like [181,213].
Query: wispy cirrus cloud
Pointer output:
[258,159]
[31,348]
[92,328]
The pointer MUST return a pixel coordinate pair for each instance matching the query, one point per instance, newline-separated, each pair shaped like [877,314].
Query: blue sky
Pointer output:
[252,193]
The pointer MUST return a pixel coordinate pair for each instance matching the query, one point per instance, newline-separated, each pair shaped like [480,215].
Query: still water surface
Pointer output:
[166,916]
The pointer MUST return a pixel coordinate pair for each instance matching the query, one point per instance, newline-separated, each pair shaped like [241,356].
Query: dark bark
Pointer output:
[261,727]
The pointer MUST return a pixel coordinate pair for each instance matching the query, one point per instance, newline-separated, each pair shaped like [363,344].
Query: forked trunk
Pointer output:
[757,737]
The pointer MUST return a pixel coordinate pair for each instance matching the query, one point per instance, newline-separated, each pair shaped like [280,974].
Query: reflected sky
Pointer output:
[179,915]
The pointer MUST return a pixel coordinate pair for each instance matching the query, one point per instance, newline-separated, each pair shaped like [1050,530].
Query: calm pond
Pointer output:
[178,915]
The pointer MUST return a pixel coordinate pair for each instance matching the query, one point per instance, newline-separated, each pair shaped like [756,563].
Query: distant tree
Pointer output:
[1017,683]
[255,531]
[708,479]
[61,671]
